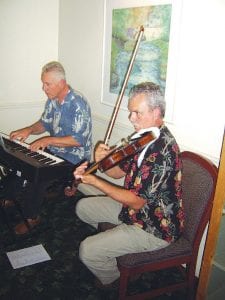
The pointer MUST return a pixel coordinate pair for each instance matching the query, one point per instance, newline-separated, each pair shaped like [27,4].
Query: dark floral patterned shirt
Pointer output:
[158,181]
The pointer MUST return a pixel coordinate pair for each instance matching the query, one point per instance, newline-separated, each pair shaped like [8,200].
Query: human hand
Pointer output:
[80,170]
[88,179]
[40,144]
[101,151]
[20,135]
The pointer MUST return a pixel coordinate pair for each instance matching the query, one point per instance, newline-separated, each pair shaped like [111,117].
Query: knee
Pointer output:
[85,252]
[80,208]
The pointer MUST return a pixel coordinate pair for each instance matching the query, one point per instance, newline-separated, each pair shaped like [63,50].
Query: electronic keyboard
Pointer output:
[33,166]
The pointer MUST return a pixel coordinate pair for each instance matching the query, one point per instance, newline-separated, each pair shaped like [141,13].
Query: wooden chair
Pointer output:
[198,184]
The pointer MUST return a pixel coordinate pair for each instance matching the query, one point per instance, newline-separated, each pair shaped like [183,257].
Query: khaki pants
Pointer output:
[99,252]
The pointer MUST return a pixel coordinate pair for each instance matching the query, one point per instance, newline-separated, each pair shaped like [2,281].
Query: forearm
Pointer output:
[23,133]
[36,128]
[44,142]
[65,141]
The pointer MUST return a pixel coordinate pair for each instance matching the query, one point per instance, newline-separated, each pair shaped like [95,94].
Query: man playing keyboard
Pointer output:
[67,120]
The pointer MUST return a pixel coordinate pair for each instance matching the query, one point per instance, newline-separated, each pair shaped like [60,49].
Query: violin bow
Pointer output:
[94,167]
[118,102]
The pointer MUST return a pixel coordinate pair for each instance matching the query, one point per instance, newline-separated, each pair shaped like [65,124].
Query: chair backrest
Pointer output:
[198,185]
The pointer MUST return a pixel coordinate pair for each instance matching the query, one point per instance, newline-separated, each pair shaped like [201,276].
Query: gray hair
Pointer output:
[153,95]
[56,67]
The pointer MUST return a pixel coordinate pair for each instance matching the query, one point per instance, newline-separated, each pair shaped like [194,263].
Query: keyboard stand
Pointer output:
[3,210]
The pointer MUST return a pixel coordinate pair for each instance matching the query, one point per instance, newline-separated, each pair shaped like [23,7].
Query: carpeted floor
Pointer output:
[64,277]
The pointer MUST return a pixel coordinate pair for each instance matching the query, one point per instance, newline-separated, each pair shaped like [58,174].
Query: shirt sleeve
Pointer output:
[47,116]
[80,127]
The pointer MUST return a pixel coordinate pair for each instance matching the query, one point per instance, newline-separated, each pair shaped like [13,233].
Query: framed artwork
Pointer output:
[156,55]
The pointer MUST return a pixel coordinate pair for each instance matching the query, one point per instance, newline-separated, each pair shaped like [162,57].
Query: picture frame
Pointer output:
[156,57]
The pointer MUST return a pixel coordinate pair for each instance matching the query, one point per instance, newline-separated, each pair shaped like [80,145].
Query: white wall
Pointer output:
[80,50]
[29,39]
[199,105]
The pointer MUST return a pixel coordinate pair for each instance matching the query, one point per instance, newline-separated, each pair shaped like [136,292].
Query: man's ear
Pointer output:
[62,82]
[157,113]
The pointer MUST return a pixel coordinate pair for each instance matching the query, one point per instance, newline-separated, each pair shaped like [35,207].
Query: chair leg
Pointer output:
[123,285]
[5,217]
[5,220]
[192,283]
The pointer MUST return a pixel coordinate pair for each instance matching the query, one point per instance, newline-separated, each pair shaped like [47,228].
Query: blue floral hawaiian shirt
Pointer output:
[158,181]
[70,118]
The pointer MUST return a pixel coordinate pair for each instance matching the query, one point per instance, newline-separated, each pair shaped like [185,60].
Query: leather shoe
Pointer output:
[23,228]
[8,203]
[70,191]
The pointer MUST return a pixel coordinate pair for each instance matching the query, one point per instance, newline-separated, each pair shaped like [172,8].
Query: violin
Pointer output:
[120,153]
[117,155]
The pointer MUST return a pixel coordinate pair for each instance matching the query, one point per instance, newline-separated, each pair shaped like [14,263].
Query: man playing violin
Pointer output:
[147,211]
